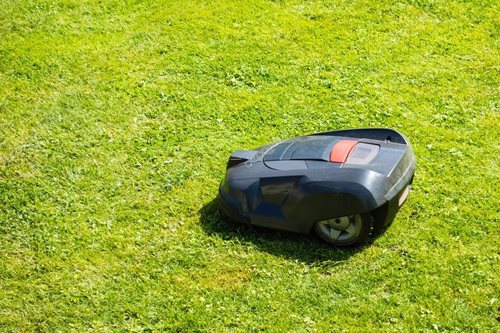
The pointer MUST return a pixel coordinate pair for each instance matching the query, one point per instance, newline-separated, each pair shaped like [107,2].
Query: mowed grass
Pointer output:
[117,119]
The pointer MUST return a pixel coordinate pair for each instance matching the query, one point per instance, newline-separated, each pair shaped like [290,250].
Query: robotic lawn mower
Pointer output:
[346,184]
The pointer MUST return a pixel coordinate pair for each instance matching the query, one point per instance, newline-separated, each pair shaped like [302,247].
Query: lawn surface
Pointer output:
[117,119]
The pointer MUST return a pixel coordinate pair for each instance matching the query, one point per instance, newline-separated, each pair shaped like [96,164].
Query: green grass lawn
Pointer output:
[117,119]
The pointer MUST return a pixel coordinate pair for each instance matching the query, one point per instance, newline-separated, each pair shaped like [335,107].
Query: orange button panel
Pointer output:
[341,150]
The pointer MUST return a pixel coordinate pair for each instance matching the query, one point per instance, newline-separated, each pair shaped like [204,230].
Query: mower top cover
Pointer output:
[347,184]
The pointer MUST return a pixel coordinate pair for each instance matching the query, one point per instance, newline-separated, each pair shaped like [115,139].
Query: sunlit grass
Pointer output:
[116,121]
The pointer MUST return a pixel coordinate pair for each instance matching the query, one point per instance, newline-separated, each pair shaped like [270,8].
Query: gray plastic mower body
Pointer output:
[293,184]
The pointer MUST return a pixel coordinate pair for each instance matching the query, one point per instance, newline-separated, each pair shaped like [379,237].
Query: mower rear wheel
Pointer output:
[345,230]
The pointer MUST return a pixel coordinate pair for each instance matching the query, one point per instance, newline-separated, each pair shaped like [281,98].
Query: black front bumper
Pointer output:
[230,210]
